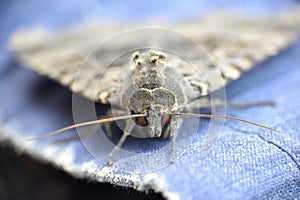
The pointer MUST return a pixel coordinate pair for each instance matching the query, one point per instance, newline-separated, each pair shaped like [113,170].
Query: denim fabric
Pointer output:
[246,163]
[249,162]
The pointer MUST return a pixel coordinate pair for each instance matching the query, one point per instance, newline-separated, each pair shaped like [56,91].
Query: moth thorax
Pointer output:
[149,69]
[143,99]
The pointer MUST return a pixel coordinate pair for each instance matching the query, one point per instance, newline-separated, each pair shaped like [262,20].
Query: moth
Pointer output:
[154,87]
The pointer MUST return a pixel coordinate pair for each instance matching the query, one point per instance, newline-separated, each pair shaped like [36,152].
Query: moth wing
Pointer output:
[233,45]
[60,55]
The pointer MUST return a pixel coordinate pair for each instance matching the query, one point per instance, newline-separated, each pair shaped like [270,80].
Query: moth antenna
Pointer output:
[99,121]
[225,117]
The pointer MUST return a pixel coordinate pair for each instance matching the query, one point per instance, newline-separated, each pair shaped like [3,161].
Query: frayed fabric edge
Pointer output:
[87,170]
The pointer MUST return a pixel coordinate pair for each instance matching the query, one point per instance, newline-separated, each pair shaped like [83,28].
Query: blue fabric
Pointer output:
[246,163]
[249,162]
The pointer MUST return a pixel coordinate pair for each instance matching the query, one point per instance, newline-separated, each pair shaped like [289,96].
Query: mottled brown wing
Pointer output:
[234,43]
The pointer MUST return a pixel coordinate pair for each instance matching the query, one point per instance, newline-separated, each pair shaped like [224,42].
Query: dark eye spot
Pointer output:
[165,119]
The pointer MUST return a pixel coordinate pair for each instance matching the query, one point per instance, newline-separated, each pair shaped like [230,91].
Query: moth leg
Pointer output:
[128,128]
[109,114]
[173,136]
[107,125]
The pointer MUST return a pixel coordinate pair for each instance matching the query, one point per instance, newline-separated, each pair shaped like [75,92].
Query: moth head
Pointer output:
[157,105]
[157,119]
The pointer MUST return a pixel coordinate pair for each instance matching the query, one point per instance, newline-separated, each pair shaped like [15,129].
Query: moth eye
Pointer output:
[165,119]
[142,121]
